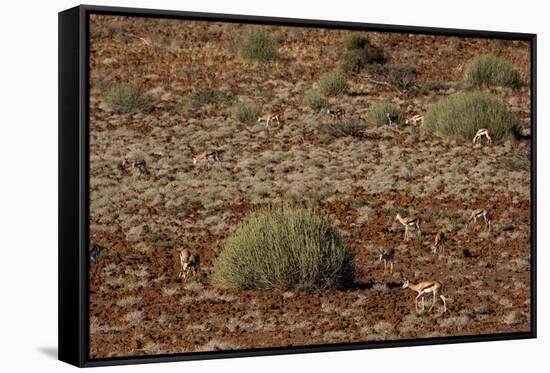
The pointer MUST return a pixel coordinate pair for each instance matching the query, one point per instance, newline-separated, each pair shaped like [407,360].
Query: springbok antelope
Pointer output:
[415,120]
[141,167]
[269,118]
[95,253]
[189,262]
[427,287]
[336,114]
[209,156]
[480,133]
[388,256]
[392,119]
[439,242]
[477,214]
[409,222]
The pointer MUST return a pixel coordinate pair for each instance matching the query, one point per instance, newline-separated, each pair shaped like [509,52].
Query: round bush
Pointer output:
[284,248]
[314,100]
[245,112]
[258,45]
[491,71]
[355,41]
[333,83]
[462,114]
[360,53]
[126,98]
[377,113]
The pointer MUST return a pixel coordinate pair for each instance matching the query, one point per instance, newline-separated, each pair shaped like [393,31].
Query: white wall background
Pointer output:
[28,183]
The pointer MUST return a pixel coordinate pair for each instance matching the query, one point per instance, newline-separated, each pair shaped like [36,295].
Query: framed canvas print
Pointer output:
[235,186]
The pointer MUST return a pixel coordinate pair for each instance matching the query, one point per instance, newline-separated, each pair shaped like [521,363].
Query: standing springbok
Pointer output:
[480,133]
[415,120]
[336,113]
[388,256]
[439,242]
[478,214]
[427,287]
[269,118]
[409,222]
[208,156]
[189,262]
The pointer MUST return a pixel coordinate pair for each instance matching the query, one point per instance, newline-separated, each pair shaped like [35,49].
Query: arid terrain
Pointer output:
[137,305]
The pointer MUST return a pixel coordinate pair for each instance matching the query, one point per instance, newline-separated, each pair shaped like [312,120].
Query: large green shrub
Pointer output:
[314,100]
[284,248]
[462,114]
[258,45]
[378,110]
[202,97]
[360,52]
[333,83]
[245,112]
[491,71]
[126,98]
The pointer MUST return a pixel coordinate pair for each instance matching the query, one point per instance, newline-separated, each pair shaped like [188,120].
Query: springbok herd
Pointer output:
[190,261]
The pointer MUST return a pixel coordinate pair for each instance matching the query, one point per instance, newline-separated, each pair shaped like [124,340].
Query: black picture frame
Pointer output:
[73,318]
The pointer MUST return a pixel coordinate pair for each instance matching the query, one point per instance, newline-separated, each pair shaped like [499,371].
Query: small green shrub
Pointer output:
[314,100]
[258,45]
[333,83]
[433,86]
[284,248]
[360,52]
[126,98]
[207,96]
[245,112]
[491,71]
[355,41]
[377,113]
[401,77]
[462,114]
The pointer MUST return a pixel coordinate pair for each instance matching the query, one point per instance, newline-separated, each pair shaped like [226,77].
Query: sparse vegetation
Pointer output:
[333,83]
[287,248]
[245,112]
[126,98]
[462,114]
[401,77]
[314,100]
[491,71]
[207,96]
[258,45]
[344,129]
[360,52]
[356,172]
[377,113]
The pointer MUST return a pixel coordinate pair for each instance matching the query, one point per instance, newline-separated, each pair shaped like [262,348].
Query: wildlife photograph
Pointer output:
[268,187]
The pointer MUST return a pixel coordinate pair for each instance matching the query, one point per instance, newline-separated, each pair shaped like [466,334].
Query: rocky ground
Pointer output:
[138,307]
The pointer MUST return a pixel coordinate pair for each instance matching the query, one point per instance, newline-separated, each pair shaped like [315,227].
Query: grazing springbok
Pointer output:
[208,156]
[269,118]
[480,134]
[141,167]
[427,287]
[415,120]
[388,256]
[95,253]
[439,242]
[392,119]
[190,263]
[336,114]
[478,214]
[409,222]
